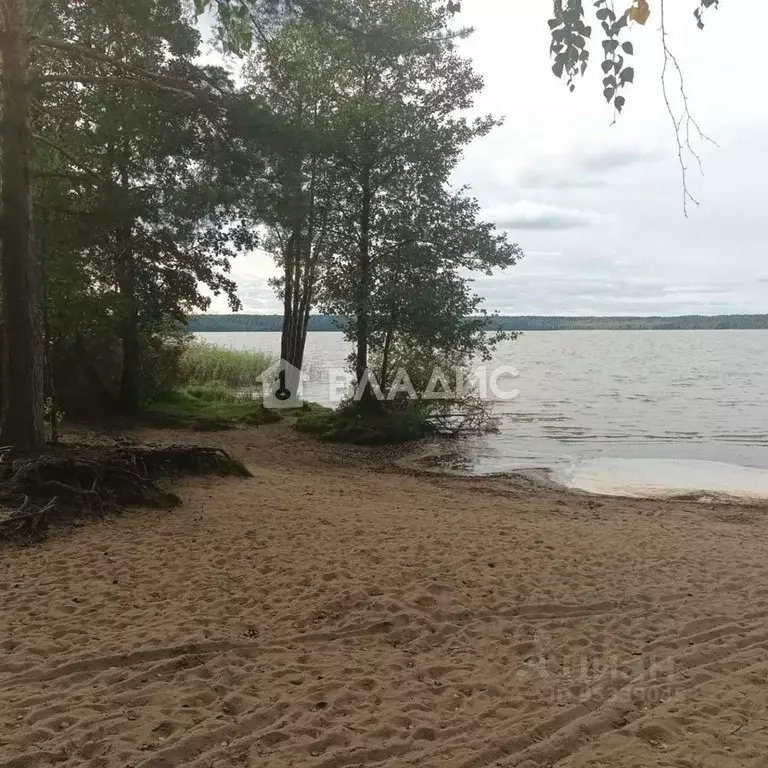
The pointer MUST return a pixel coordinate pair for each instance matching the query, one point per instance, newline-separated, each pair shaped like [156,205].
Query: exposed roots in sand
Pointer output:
[67,481]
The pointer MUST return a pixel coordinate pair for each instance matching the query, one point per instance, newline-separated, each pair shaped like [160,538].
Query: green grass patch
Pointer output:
[207,408]
[316,422]
[203,364]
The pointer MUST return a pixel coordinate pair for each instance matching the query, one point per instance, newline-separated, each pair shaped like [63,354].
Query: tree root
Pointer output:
[64,482]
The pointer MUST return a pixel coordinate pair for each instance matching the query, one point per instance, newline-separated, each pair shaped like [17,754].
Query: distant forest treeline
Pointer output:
[208,323]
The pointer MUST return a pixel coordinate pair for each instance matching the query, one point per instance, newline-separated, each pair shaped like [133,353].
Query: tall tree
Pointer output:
[383,85]
[291,76]
[435,241]
[33,59]
[162,213]
[22,411]
[400,90]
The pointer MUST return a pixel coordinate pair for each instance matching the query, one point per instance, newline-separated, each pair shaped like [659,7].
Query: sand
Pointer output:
[325,614]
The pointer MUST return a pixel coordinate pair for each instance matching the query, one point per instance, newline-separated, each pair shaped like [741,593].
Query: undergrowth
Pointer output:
[366,425]
[208,408]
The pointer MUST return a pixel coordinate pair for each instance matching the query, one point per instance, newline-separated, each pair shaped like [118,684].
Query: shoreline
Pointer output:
[432,456]
[335,609]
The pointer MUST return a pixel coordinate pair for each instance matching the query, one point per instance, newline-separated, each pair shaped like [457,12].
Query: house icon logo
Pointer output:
[282,385]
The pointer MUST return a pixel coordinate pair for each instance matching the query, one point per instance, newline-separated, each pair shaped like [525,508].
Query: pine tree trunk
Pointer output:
[130,383]
[295,275]
[387,346]
[364,287]
[130,379]
[22,412]
[285,337]
[98,388]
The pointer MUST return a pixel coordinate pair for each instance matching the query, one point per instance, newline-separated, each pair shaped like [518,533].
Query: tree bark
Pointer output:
[130,378]
[99,389]
[130,384]
[387,346]
[289,255]
[22,423]
[309,255]
[364,285]
[295,266]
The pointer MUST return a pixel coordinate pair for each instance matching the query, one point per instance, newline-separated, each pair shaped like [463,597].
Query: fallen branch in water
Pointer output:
[469,415]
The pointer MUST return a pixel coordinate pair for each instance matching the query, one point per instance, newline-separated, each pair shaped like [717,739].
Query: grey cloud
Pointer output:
[525,215]
[543,177]
[602,159]
[614,294]
[257,297]
[581,167]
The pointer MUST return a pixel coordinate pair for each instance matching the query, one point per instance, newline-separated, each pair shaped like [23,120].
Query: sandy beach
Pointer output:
[332,613]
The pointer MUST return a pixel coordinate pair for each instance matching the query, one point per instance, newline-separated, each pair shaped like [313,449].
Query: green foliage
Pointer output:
[393,90]
[86,369]
[570,29]
[152,172]
[243,21]
[240,22]
[136,205]
[216,392]
[372,95]
[218,367]
[571,34]
[161,357]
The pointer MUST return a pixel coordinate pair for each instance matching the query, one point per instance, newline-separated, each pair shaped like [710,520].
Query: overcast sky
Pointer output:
[597,207]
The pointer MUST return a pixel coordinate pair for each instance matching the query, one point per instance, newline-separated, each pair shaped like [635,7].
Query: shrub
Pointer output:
[316,422]
[377,424]
[86,368]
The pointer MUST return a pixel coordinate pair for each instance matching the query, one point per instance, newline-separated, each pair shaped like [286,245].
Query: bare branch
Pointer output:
[684,124]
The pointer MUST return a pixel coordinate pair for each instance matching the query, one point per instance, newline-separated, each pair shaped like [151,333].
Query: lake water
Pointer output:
[610,411]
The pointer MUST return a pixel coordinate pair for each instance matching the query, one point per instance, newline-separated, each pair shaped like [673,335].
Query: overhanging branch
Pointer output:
[79,50]
[125,82]
[684,124]
[72,159]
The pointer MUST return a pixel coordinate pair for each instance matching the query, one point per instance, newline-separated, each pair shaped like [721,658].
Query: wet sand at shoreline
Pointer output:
[330,613]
